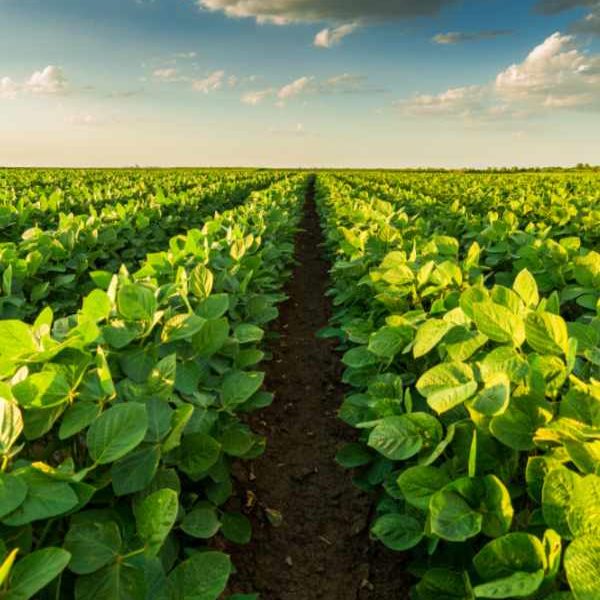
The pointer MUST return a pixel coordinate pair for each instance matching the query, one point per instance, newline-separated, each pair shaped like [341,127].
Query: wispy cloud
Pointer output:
[459,37]
[329,37]
[209,84]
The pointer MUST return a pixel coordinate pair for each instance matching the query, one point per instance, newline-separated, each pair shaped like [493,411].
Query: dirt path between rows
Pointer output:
[321,548]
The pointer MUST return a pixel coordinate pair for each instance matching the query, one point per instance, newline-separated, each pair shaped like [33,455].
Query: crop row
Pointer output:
[119,423]
[475,360]
[58,266]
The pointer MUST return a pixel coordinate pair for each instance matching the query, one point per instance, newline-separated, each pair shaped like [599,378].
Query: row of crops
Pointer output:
[133,310]
[122,389]
[469,310]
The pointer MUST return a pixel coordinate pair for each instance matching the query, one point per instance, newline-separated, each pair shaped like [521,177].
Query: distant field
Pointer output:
[238,383]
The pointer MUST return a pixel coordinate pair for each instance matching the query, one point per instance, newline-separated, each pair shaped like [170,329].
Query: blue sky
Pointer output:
[388,83]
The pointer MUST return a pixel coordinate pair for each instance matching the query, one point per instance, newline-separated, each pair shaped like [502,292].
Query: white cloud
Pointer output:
[8,89]
[333,36]
[297,87]
[256,97]
[185,55]
[589,24]
[212,83]
[50,80]
[166,74]
[553,74]
[459,37]
[281,12]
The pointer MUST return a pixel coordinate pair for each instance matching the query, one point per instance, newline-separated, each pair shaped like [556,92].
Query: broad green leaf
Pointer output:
[526,286]
[547,333]
[13,491]
[46,498]
[136,302]
[155,517]
[398,532]
[211,338]
[35,571]
[419,483]
[494,398]
[452,518]
[389,341]
[116,432]
[447,385]
[201,282]
[584,510]
[17,339]
[582,565]
[199,452]
[76,418]
[92,545]
[444,584]
[353,455]
[202,522]
[11,424]
[518,585]
[429,335]
[499,323]
[135,470]
[239,386]
[396,438]
[96,306]
[201,577]
[359,357]
[557,494]
[43,390]
[117,581]
[247,333]
[236,528]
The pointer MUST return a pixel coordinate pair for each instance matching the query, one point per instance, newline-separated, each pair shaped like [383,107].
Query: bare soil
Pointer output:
[321,548]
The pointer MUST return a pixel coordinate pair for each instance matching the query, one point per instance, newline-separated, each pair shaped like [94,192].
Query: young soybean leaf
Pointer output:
[17,339]
[398,532]
[155,518]
[239,386]
[236,528]
[117,581]
[201,282]
[519,584]
[96,306]
[202,522]
[13,491]
[135,470]
[136,302]
[35,571]
[203,576]
[11,423]
[582,564]
[526,286]
[92,545]
[7,565]
[116,432]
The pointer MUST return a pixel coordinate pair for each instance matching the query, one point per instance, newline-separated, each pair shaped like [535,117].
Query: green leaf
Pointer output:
[201,577]
[17,339]
[557,494]
[389,341]
[92,545]
[45,498]
[136,302]
[247,333]
[43,390]
[547,333]
[359,357]
[429,335]
[584,510]
[526,286]
[96,306]
[396,438]
[236,528]
[239,386]
[11,424]
[155,517]
[214,306]
[443,584]
[76,418]
[398,532]
[202,522]
[353,455]
[13,491]
[511,553]
[199,452]
[211,338]
[135,471]
[447,385]
[494,398]
[582,565]
[452,518]
[35,571]
[419,483]
[201,282]
[499,323]
[118,581]
[518,585]
[116,432]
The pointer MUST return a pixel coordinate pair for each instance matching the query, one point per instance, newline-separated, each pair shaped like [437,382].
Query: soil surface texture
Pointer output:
[310,524]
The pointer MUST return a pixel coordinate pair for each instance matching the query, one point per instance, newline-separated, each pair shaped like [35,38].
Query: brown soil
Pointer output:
[321,549]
